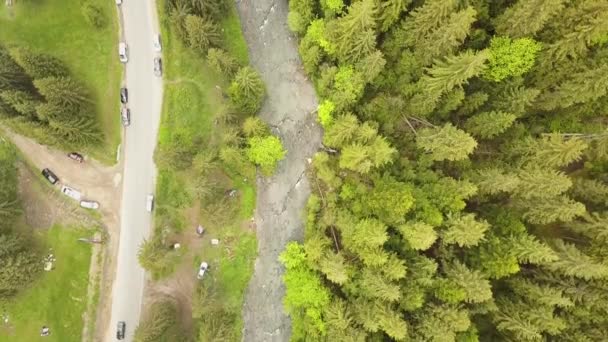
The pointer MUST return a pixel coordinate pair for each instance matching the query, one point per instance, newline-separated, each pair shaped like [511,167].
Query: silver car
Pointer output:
[125,115]
[158,67]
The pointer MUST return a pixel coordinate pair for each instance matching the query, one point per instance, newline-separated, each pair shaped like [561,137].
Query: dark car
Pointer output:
[124,95]
[76,156]
[50,176]
[158,67]
[125,115]
[120,330]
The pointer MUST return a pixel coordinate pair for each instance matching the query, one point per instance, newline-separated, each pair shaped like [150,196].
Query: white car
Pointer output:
[150,203]
[156,43]
[118,2]
[71,192]
[123,52]
[89,204]
[202,269]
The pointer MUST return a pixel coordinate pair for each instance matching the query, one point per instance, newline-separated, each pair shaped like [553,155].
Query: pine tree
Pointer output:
[354,34]
[489,124]
[390,11]
[590,190]
[38,65]
[419,235]
[222,62]
[372,65]
[593,226]
[453,71]
[527,249]
[201,33]
[476,287]
[342,131]
[373,285]
[446,143]
[553,150]
[247,90]
[440,323]
[12,76]
[493,181]
[515,99]
[551,210]
[301,13]
[581,87]
[572,262]
[541,183]
[23,102]
[446,38]
[63,91]
[584,25]
[527,17]
[464,230]
[542,294]
[20,264]
[334,268]
[425,19]
[392,323]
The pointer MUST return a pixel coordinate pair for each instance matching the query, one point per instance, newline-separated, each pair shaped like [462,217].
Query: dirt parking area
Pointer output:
[281,199]
[45,205]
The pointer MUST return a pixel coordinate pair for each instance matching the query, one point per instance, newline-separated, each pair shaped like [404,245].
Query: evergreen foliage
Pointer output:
[462,192]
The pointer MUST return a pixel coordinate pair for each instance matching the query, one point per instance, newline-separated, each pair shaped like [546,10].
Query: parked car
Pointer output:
[120,330]
[125,115]
[158,67]
[76,156]
[123,52]
[156,43]
[71,192]
[118,2]
[50,176]
[124,95]
[202,269]
[89,204]
[150,203]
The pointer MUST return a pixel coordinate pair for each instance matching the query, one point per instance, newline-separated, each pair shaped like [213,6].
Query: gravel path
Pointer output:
[281,198]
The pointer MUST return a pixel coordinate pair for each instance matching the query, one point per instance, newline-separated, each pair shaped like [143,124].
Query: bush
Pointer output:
[94,15]
[247,90]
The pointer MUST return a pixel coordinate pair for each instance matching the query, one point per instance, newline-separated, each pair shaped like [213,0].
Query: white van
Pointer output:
[123,52]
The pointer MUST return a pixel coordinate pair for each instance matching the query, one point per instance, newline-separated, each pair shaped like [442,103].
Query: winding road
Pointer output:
[139,23]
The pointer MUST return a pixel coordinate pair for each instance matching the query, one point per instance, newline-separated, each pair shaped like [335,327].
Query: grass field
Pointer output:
[59,298]
[190,103]
[57,27]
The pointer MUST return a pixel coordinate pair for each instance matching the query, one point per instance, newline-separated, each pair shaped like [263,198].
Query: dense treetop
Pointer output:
[462,194]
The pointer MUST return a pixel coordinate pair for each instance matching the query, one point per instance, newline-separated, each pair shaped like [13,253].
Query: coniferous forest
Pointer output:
[462,190]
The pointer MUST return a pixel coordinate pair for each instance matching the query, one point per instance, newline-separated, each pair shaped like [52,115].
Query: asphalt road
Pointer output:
[139,24]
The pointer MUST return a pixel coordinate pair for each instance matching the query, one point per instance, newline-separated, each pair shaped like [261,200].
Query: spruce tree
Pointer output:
[446,143]
[489,124]
[527,17]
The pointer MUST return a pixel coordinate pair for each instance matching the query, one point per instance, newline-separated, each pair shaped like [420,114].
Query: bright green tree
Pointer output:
[547,211]
[510,57]
[541,183]
[266,152]
[222,62]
